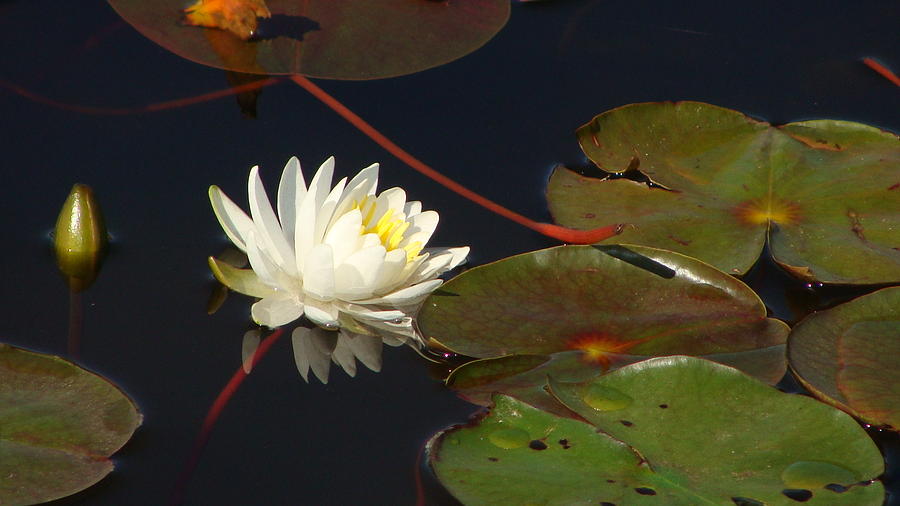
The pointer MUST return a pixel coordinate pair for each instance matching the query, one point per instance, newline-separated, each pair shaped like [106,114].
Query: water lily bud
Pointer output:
[80,238]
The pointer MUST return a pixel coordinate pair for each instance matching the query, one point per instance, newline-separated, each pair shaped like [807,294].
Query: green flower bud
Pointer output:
[80,238]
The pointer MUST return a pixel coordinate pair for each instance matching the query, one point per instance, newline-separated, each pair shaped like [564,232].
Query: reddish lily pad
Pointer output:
[847,356]
[58,426]
[672,430]
[593,308]
[715,184]
[350,39]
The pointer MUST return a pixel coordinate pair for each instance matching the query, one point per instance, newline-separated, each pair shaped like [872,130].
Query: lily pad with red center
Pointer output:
[579,311]
[848,356]
[350,39]
[58,426]
[716,184]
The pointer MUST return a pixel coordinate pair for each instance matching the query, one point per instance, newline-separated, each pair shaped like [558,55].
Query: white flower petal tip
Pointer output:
[335,254]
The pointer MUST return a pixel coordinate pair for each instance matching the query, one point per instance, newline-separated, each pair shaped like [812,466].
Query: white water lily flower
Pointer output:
[340,255]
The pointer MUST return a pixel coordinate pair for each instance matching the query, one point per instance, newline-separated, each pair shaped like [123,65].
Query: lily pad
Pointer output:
[715,184]
[609,304]
[847,356]
[350,39]
[524,376]
[58,426]
[673,430]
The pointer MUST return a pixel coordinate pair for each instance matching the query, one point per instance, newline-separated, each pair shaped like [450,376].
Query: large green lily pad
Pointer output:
[714,184]
[593,308]
[350,39]
[672,430]
[58,425]
[847,356]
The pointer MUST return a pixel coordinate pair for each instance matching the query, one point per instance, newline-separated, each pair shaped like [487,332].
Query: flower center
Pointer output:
[390,228]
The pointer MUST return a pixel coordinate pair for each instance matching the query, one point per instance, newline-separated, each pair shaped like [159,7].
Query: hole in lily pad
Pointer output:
[565,444]
[834,487]
[797,494]
[645,491]
[537,444]
[626,423]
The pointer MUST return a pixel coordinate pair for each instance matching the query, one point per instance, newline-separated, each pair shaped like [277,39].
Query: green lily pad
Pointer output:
[58,425]
[351,39]
[524,376]
[673,430]
[847,356]
[610,304]
[715,184]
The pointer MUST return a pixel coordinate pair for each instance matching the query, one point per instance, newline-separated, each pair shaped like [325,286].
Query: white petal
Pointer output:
[234,221]
[262,266]
[307,210]
[343,236]
[362,185]
[249,344]
[326,210]
[392,198]
[394,262]
[312,349]
[421,226]
[276,311]
[365,348]
[343,356]
[269,233]
[370,315]
[407,296]
[355,277]
[318,273]
[291,188]
[324,314]
[439,261]
[412,208]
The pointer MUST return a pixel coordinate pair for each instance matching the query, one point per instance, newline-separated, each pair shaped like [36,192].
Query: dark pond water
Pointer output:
[497,121]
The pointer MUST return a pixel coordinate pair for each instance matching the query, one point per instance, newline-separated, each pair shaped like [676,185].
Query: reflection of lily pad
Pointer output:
[714,184]
[674,430]
[58,426]
[350,39]
[607,303]
[847,356]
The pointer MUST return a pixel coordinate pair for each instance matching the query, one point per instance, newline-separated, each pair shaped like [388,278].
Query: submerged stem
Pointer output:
[213,415]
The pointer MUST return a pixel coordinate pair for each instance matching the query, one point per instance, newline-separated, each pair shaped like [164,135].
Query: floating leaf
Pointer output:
[673,430]
[351,39]
[714,184]
[524,376]
[236,16]
[58,426]
[593,308]
[847,356]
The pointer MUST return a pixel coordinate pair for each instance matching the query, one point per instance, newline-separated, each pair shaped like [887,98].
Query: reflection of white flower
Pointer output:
[342,256]
[316,348]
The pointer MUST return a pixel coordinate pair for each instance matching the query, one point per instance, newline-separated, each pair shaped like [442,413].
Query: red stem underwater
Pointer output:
[881,69]
[213,415]
[555,231]
[121,111]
